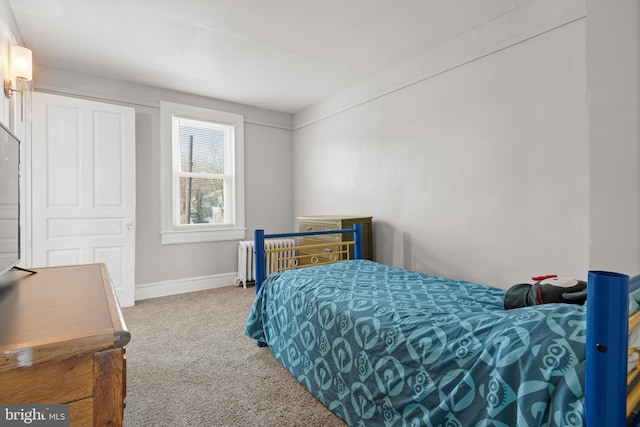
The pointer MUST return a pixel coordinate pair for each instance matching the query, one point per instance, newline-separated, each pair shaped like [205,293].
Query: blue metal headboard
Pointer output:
[259,238]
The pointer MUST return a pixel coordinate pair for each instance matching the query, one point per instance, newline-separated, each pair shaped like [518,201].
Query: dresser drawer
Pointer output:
[318,225]
[323,238]
[81,412]
[57,381]
[328,246]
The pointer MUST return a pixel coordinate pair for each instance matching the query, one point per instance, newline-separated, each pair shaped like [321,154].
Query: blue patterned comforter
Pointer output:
[383,346]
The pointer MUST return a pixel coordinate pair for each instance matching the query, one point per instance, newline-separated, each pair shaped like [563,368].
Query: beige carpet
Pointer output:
[190,364]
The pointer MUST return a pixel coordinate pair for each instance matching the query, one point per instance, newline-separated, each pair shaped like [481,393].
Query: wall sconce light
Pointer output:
[21,70]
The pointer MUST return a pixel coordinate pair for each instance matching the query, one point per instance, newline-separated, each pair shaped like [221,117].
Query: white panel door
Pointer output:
[83,187]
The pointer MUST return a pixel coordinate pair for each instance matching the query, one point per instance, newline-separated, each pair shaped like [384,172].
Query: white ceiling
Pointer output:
[283,55]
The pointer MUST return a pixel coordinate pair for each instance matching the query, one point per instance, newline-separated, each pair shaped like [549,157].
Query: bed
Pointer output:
[380,345]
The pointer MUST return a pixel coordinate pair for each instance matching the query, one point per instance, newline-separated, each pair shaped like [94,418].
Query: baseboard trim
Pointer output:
[181,286]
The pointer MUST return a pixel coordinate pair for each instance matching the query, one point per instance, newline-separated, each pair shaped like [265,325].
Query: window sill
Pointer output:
[198,236]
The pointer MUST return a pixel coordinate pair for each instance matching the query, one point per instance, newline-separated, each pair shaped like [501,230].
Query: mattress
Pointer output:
[380,345]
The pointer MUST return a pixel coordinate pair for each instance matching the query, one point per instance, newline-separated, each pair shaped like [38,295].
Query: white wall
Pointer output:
[165,269]
[478,171]
[613,71]
[474,160]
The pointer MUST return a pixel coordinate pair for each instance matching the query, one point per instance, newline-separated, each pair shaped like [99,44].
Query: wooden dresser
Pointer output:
[62,339]
[337,222]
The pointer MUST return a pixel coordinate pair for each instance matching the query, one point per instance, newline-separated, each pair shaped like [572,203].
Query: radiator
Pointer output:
[246,261]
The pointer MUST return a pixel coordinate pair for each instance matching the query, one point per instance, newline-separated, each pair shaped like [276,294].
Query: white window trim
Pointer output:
[172,234]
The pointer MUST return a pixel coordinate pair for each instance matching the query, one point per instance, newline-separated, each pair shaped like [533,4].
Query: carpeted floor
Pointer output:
[190,364]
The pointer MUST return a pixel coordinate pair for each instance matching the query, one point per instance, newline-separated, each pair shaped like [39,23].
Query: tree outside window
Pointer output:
[202,172]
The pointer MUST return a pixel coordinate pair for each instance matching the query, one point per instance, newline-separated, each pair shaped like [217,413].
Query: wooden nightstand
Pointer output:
[337,222]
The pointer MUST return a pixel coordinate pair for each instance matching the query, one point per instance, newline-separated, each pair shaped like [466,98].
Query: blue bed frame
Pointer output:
[259,238]
[606,340]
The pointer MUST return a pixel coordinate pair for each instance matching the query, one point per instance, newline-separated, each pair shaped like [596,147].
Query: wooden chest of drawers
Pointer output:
[337,222]
[62,336]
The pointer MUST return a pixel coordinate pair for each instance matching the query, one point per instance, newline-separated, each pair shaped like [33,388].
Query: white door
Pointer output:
[83,187]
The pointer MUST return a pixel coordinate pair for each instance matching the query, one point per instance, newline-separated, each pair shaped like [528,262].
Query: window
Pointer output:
[202,174]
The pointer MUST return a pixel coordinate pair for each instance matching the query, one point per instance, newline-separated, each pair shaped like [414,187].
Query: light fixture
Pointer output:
[21,70]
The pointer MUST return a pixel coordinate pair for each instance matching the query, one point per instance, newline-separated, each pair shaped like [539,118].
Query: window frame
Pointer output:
[172,232]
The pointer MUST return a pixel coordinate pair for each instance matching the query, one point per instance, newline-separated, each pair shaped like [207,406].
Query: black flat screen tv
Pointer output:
[9,203]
